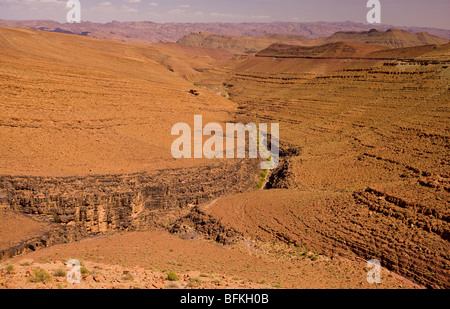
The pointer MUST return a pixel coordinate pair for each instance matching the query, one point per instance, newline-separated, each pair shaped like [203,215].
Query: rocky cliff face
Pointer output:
[86,206]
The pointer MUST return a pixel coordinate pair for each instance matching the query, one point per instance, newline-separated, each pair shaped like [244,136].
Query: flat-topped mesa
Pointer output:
[392,38]
[350,50]
[336,50]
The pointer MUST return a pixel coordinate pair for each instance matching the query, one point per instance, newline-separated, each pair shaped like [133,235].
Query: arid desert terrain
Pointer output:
[87,173]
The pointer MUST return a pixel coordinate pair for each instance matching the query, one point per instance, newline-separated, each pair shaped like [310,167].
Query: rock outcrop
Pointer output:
[89,205]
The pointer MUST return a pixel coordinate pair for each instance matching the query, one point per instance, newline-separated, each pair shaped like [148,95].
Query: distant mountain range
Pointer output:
[392,38]
[153,32]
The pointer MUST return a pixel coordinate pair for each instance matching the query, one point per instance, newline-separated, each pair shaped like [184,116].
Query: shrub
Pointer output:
[198,280]
[172,276]
[194,282]
[314,257]
[172,286]
[10,267]
[277,285]
[84,270]
[39,275]
[60,273]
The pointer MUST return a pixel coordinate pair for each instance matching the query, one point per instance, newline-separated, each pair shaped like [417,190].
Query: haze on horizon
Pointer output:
[432,13]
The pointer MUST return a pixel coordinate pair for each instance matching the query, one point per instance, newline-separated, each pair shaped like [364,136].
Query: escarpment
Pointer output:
[79,207]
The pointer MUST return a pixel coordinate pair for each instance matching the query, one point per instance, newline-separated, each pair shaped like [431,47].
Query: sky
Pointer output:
[424,13]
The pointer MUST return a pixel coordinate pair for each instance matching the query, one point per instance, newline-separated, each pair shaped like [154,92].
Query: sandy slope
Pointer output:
[15,227]
[149,255]
[77,105]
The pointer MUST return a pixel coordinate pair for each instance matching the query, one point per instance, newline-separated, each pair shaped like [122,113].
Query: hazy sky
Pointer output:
[426,13]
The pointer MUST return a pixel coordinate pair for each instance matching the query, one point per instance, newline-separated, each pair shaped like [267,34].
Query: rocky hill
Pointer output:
[425,52]
[357,43]
[394,38]
[331,50]
[345,50]
[239,45]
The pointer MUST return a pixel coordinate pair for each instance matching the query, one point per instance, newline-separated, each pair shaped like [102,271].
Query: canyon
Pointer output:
[86,163]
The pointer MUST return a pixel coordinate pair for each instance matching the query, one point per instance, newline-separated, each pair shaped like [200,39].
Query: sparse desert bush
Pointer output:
[277,285]
[25,264]
[198,280]
[84,271]
[56,219]
[39,275]
[194,282]
[60,273]
[305,252]
[263,175]
[172,276]
[172,286]
[10,267]
[262,178]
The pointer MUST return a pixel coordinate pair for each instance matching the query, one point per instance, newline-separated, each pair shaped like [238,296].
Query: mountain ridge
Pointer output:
[392,38]
[151,32]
